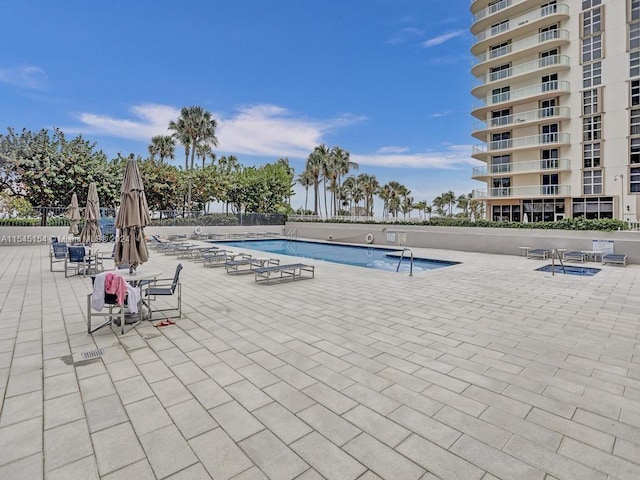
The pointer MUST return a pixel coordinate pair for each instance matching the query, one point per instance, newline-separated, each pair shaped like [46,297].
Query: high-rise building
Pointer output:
[558,108]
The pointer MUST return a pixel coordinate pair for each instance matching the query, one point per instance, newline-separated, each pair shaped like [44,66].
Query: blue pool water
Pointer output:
[570,270]
[369,257]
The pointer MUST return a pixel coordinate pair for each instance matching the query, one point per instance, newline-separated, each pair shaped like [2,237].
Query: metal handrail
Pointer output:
[555,254]
[400,261]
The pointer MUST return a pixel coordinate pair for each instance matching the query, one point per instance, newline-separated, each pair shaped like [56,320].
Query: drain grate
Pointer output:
[92,354]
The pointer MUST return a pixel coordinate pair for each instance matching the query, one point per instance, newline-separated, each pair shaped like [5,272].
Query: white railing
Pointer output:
[521,142]
[514,95]
[496,7]
[550,164]
[528,42]
[523,117]
[528,191]
[544,62]
[513,23]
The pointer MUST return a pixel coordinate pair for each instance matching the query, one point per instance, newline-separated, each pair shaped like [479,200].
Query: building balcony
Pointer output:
[531,21]
[549,40]
[521,72]
[522,119]
[543,140]
[532,93]
[532,166]
[532,191]
[486,16]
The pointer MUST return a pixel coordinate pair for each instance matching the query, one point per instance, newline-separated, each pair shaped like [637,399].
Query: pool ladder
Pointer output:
[555,254]
[400,261]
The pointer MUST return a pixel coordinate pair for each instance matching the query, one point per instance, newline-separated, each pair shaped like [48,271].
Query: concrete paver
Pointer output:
[484,370]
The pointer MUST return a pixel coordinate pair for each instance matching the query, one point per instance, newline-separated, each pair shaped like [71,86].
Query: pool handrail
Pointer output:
[400,261]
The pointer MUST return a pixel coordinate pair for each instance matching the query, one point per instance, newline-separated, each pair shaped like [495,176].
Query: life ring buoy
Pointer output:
[369,238]
[198,230]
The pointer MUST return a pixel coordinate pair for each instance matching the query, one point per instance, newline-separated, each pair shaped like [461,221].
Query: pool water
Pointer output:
[570,270]
[369,257]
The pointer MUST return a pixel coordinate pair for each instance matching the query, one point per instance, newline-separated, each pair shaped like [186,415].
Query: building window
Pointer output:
[634,180]
[590,102]
[635,92]
[593,208]
[635,122]
[499,28]
[591,22]
[500,141]
[505,213]
[498,73]
[635,10]
[591,155]
[544,209]
[549,8]
[634,151]
[634,36]
[592,74]
[500,94]
[591,48]
[500,49]
[592,182]
[550,82]
[501,117]
[548,108]
[592,128]
[501,164]
[586,4]
[634,63]
[549,159]
[501,187]
[549,133]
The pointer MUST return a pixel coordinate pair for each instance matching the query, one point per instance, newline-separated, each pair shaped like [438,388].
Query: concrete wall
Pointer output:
[505,241]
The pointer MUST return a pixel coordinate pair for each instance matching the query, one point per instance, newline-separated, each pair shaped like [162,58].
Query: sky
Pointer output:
[387,80]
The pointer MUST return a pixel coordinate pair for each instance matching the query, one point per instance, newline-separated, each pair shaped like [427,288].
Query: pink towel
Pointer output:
[117,285]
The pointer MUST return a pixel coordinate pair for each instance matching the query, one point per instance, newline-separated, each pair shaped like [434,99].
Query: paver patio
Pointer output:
[483,370]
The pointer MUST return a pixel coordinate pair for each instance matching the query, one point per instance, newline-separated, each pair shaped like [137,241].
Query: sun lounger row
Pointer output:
[278,273]
[249,265]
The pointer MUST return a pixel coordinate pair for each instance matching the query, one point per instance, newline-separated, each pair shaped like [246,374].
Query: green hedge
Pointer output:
[215,219]
[579,223]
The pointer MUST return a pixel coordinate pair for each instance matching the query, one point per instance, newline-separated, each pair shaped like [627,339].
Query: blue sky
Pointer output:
[387,80]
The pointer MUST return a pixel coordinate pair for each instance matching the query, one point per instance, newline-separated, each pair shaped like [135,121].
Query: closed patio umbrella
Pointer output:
[91,230]
[133,215]
[74,215]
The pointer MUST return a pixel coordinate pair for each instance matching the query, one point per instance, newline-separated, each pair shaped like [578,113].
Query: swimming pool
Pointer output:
[369,257]
[570,270]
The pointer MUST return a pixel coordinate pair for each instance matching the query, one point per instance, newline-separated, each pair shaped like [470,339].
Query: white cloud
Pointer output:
[263,130]
[451,156]
[392,149]
[432,42]
[404,35]
[24,76]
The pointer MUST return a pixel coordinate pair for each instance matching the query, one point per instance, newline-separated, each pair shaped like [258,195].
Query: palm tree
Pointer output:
[326,170]
[462,202]
[439,203]
[204,150]
[164,146]
[341,166]
[421,207]
[314,166]
[369,185]
[406,205]
[305,180]
[449,198]
[195,125]
[384,193]
[395,193]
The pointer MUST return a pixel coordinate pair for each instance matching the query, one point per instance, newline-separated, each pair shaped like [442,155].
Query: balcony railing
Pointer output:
[523,142]
[496,7]
[515,95]
[560,8]
[524,44]
[523,68]
[528,191]
[546,165]
[547,113]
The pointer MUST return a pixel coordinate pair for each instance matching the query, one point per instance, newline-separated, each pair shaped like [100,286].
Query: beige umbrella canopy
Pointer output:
[133,215]
[74,215]
[91,230]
